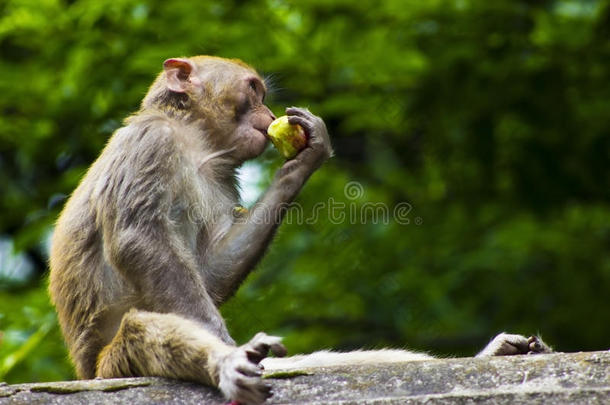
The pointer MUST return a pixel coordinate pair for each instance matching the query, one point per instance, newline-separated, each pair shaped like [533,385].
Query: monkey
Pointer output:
[149,245]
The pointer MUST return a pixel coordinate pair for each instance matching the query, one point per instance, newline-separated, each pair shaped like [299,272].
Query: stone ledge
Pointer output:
[552,378]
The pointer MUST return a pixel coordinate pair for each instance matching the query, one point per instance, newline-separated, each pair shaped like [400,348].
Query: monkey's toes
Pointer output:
[536,346]
[506,344]
[259,346]
[240,379]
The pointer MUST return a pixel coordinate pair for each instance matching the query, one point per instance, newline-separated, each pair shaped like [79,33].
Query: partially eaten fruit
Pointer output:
[289,139]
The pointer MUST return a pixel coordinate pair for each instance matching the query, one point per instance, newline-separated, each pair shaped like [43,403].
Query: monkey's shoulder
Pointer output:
[145,133]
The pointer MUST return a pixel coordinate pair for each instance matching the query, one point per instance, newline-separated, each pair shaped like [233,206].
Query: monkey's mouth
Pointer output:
[263,131]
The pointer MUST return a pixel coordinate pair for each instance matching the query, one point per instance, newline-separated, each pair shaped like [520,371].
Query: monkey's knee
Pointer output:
[123,356]
[163,345]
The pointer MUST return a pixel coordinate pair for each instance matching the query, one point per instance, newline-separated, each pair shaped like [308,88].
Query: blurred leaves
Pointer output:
[489,119]
[31,346]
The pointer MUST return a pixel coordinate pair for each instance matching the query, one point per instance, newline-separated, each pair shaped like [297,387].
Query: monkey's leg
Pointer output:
[506,344]
[167,345]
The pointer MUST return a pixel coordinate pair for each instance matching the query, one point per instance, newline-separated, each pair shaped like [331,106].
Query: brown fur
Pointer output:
[147,247]
[160,344]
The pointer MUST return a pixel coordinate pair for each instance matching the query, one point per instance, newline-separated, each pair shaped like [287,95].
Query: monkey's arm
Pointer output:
[140,239]
[231,259]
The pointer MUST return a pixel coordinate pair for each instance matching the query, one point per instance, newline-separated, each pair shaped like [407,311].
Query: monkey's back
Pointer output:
[75,285]
[136,179]
[85,289]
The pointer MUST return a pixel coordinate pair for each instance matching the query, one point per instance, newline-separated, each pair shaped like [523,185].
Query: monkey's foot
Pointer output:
[507,345]
[240,372]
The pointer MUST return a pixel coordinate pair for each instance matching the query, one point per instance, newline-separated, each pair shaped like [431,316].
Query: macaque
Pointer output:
[150,245]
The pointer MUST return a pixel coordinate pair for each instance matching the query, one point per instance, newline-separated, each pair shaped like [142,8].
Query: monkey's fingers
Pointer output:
[536,345]
[315,128]
[303,122]
[240,379]
[259,346]
[250,370]
[278,350]
[302,112]
[252,390]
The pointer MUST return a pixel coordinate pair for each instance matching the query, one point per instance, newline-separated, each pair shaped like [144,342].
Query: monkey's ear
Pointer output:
[178,72]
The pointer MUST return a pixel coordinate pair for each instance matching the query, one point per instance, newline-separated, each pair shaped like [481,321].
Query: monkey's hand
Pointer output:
[240,371]
[506,345]
[318,147]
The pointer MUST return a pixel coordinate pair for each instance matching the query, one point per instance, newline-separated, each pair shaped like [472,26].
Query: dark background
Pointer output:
[481,127]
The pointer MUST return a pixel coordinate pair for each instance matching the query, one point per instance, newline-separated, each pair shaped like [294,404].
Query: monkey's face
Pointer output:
[252,118]
[237,95]
[228,95]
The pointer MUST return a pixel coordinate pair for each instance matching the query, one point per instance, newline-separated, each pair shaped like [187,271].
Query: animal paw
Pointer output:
[536,345]
[240,372]
[506,344]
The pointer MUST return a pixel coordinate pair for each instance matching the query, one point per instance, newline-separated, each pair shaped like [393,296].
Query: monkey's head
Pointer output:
[225,95]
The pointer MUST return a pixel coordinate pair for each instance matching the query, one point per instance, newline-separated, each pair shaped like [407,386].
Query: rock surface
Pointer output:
[567,378]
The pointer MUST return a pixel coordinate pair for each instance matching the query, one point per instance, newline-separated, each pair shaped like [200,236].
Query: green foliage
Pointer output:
[487,117]
[31,347]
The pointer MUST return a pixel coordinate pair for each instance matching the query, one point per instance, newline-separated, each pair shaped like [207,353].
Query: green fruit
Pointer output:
[287,138]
